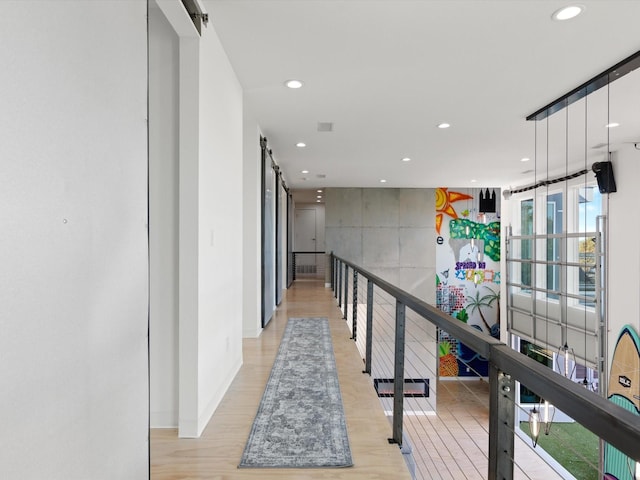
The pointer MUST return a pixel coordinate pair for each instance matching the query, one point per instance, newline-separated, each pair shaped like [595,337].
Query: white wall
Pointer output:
[189,231]
[73,248]
[210,222]
[624,246]
[220,187]
[163,219]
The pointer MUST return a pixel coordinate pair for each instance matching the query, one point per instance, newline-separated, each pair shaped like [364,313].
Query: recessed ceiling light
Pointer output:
[301,144]
[474,180]
[293,83]
[612,125]
[318,196]
[304,171]
[406,159]
[318,201]
[525,159]
[383,181]
[319,191]
[444,125]
[568,12]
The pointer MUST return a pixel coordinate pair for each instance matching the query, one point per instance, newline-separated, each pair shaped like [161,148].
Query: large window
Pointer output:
[585,207]
[526,245]
[590,208]
[554,244]
[553,283]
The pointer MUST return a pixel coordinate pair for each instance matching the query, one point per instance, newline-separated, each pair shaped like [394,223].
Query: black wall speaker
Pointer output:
[604,175]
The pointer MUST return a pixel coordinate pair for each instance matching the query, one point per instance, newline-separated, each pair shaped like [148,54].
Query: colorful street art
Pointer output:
[444,199]
[468,274]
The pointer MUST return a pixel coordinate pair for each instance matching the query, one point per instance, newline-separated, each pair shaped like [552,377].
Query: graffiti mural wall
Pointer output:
[467,272]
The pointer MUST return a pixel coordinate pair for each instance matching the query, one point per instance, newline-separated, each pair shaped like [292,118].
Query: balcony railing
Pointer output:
[399,333]
[308,264]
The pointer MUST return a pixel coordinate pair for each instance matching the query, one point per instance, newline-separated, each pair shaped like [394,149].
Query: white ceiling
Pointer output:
[386,73]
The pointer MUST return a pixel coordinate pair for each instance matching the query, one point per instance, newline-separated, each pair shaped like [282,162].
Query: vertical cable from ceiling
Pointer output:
[563,258]
[546,231]
[604,234]
[584,227]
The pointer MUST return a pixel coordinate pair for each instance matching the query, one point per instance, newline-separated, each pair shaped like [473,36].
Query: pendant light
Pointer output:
[541,419]
[588,384]
[534,425]
[566,369]
[534,413]
[548,413]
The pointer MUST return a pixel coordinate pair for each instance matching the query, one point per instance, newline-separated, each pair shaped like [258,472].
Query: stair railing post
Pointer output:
[398,379]
[336,272]
[354,313]
[339,291]
[332,272]
[369,341]
[346,290]
[501,424]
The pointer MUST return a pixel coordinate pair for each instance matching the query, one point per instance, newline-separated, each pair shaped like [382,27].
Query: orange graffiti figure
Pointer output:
[444,199]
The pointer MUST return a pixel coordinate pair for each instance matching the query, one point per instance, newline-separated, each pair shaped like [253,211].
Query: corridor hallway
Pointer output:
[216,454]
[452,445]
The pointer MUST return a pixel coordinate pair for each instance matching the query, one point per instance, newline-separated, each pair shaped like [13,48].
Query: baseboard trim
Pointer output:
[163,419]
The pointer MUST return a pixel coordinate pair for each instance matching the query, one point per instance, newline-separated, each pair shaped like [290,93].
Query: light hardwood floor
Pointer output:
[452,445]
[217,453]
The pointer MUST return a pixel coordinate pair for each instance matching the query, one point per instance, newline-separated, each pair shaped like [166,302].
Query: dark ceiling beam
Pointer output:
[619,70]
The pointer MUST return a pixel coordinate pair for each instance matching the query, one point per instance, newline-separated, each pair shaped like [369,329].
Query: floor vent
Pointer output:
[413,387]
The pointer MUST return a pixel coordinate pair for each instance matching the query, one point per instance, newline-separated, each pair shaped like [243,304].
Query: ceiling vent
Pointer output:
[325,126]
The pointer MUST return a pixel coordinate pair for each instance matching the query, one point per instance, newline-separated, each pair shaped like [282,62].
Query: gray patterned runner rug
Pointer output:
[300,422]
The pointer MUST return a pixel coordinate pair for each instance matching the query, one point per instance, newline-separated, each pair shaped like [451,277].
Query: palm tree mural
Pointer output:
[494,297]
[477,302]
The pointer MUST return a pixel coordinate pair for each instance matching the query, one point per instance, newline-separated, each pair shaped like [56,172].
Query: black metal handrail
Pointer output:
[608,421]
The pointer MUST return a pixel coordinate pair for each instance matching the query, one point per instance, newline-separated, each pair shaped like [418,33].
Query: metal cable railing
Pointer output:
[398,334]
[308,264]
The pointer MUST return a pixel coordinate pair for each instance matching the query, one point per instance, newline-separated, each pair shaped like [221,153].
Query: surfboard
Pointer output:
[624,390]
